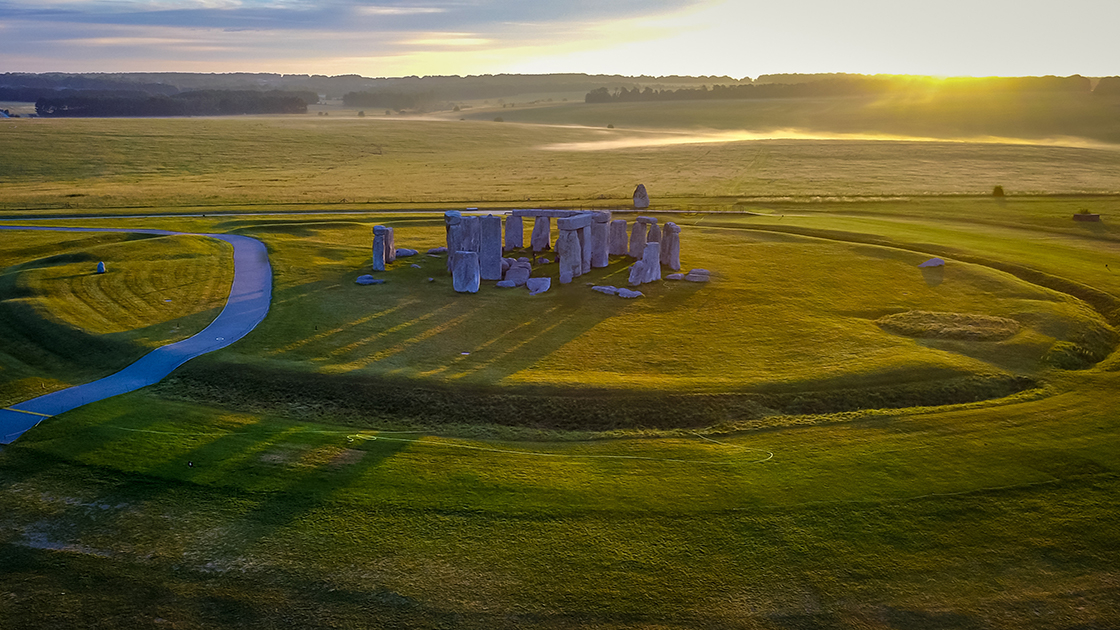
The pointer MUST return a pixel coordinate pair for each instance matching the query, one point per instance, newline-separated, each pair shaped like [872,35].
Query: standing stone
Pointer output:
[637,273]
[618,238]
[515,233]
[542,234]
[600,240]
[641,197]
[464,271]
[654,235]
[651,259]
[638,239]
[379,232]
[671,246]
[453,228]
[390,246]
[101,267]
[584,234]
[490,247]
[471,232]
[571,258]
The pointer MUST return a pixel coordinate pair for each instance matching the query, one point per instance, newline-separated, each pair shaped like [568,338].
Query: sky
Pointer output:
[734,38]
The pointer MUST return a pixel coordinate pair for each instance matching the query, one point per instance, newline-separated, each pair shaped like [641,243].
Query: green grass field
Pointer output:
[756,452]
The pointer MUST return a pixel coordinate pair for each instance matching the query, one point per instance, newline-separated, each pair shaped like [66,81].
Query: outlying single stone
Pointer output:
[368,279]
[641,197]
[101,267]
[538,285]
[464,272]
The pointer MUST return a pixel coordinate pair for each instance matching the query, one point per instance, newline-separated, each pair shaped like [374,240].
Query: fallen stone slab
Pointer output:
[368,279]
[437,250]
[627,293]
[675,276]
[415,266]
[608,290]
[404,252]
[506,284]
[697,278]
[538,285]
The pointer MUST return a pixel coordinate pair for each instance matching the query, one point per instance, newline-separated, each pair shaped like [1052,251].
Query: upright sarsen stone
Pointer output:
[379,233]
[618,238]
[471,233]
[638,239]
[464,271]
[490,247]
[641,197]
[671,246]
[515,233]
[571,258]
[654,234]
[390,246]
[541,238]
[600,239]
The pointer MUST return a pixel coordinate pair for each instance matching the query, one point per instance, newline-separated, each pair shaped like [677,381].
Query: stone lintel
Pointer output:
[546,213]
[574,223]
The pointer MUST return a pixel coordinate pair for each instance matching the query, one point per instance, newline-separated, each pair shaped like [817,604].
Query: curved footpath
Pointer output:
[248,302]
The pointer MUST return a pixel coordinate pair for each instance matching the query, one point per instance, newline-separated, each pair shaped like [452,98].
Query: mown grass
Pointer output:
[145,510]
[74,165]
[63,324]
[947,519]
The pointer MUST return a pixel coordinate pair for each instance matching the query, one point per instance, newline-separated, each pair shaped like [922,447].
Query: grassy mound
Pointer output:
[933,325]
[61,323]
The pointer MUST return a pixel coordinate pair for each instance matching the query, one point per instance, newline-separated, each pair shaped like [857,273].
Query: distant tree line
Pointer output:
[389,100]
[849,85]
[101,104]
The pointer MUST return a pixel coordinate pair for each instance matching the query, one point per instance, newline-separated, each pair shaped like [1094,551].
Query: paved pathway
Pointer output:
[247,305]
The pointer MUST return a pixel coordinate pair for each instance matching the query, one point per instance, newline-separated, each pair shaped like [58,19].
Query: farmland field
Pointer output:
[825,435]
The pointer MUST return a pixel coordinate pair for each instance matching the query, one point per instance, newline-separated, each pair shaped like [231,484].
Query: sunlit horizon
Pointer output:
[666,37]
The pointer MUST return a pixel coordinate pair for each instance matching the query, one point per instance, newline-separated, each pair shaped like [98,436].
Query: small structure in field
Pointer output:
[641,197]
